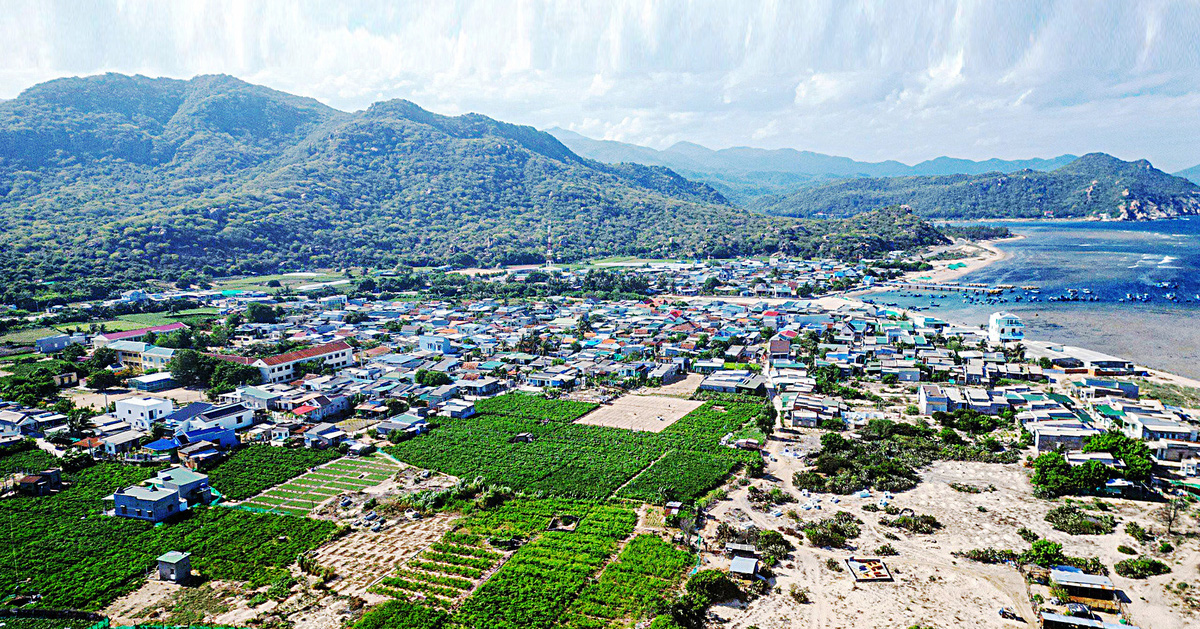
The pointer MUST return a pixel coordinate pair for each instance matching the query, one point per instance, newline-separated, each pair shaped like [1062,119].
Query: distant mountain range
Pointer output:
[1192,173]
[1095,185]
[109,180]
[745,173]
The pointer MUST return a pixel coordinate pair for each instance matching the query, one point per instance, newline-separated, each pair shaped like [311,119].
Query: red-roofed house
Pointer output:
[102,340]
[281,368]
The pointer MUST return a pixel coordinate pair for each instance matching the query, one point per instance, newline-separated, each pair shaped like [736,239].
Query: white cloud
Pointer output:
[873,80]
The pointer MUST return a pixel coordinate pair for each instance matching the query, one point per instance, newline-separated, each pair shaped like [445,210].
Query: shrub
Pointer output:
[1125,550]
[1045,553]
[1027,535]
[1073,520]
[886,551]
[1141,567]
[1136,531]
[833,565]
[1165,547]
[921,524]
[799,594]
[834,531]
[713,585]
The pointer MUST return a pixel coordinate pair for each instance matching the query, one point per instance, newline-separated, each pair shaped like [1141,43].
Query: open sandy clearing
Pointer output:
[648,413]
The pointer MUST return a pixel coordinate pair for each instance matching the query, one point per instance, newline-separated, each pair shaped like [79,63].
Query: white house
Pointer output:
[1004,327]
[141,412]
[282,367]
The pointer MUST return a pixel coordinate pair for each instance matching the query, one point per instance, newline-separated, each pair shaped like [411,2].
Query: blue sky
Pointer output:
[899,80]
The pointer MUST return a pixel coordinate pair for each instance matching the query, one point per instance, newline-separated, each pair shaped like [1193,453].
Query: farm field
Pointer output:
[548,580]
[649,413]
[255,468]
[302,494]
[362,557]
[86,559]
[534,444]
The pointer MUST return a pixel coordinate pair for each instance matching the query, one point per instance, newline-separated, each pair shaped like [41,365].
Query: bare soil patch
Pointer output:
[648,413]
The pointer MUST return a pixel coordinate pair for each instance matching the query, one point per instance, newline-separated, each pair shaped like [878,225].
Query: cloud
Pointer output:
[873,80]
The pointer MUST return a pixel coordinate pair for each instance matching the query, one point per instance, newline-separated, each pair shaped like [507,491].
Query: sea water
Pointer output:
[1137,286]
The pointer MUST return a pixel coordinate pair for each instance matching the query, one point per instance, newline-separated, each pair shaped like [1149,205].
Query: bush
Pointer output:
[921,524]
[1141,567]
[1165,547]
[833,532]
[1045,553]
[1125,550]
[713,586]
[886,551]
[1075,521]
[833,565]
[799,594]
[1136,531]
[1027,535]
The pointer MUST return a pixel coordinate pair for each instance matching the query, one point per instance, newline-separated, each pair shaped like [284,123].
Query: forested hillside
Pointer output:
[109,180]
[1093,185]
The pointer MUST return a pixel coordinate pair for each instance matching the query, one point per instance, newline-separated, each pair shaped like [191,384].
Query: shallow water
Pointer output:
[1112,260]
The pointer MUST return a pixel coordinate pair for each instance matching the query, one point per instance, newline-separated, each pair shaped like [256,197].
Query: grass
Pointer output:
[259,282]
[22,337]
[1170,394]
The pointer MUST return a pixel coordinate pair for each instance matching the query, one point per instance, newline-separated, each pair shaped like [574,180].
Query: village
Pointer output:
[846,385]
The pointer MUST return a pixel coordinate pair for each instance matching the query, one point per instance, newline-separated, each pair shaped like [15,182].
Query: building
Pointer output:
[141,412]
[1005,327]
[435,344]
[282,367]
[175,567]
[932,400]
[56,343]
[122,442]
[41,484]
[152,382]
[153,503]
[323,436]
[103,340]
[228,416]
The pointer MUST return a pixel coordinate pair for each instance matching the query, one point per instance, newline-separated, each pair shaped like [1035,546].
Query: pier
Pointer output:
[980,289]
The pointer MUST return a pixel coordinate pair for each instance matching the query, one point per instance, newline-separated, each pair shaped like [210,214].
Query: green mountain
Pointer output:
[1095,185]
[743,174]
[1192,173]
[110,180]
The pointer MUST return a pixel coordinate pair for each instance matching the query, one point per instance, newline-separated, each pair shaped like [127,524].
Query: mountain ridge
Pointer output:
[1096,185]
[743,173]
[109,180]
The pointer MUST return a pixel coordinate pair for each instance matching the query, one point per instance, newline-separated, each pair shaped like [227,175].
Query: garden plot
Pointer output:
[364,557]
[648,413]
[304,493]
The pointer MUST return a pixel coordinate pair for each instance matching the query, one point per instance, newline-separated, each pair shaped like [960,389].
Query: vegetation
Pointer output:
[1075,521]
[87,559]
[110,180]
[255,468]
[834,531]
[683,462]
[1140,568]
[1091,185]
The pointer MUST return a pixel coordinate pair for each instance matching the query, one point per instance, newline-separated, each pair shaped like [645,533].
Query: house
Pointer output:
[458,409]
[435,344]
[157,358]
[1005,327]
[103,340]
[41,484]
[408,425]
[191,486]
[479,388]
[175,567]
[316,407]
[1048,436]
[129,353]
[282,367]
[152,382]
[743,567]
[323,436]
[141,412]
[229,416]
[545,379]
[123,442]
[56,343]
[1095,591]
[154,503]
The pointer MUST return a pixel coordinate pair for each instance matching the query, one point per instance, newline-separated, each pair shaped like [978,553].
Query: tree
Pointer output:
[1045,553]
[261,313]
[190,368]
[713,586]
[73,352]
[428,378]
[1052,475]
[102,358]
[102,380]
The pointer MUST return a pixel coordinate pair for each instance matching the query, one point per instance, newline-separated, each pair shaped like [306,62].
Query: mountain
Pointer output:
[743,174]
[1095,185]
[106,181]
[1192,173]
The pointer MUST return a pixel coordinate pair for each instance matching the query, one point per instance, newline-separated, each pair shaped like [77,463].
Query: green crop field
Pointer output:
[550,581]
[86,559]
[302,493]
[582,461]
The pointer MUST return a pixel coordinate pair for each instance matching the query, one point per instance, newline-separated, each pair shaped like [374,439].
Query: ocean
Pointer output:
[1137,287]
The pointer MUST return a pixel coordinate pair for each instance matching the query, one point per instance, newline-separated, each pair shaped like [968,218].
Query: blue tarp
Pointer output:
[162,445]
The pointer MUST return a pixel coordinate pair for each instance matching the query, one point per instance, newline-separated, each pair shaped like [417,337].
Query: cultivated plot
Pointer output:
[364,557]
[648,413]
[304,493]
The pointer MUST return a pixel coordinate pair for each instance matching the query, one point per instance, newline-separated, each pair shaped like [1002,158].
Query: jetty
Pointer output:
[970,288]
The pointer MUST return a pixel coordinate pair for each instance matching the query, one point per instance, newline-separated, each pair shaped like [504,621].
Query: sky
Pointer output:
[902,79]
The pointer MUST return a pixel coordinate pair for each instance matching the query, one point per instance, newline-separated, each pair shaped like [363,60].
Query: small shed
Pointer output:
[744,566]
[175,567]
